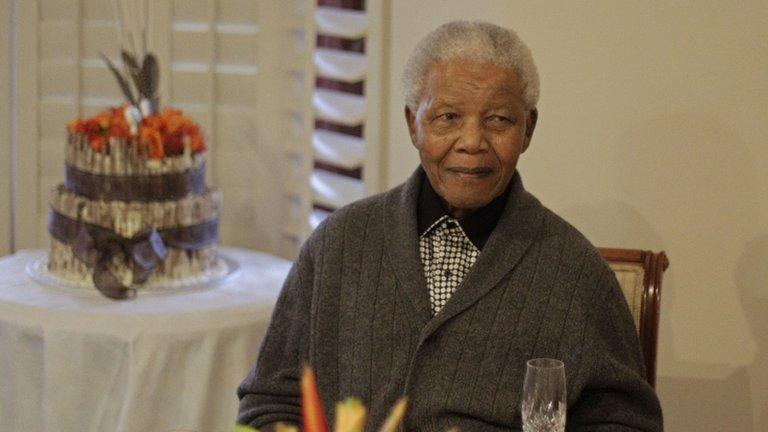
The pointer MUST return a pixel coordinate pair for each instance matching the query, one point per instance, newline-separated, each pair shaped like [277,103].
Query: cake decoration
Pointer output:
[134,208]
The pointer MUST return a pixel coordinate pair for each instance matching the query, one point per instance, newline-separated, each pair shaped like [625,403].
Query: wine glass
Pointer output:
[543,404]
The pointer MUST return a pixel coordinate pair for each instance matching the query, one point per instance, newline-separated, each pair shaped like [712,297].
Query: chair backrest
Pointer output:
[639,274]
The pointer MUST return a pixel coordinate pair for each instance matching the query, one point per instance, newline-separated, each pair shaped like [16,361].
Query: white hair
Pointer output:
[476,41]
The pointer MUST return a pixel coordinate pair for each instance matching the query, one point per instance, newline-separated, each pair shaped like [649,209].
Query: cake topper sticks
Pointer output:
[140,67]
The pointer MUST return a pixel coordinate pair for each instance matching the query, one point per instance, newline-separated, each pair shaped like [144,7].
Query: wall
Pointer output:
[5,128]
[652,134]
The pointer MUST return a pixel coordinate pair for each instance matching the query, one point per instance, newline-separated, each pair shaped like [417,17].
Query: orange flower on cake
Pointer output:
[162,135]
[153,140]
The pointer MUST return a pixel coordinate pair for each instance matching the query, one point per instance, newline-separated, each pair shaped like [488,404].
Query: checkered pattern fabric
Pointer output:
[447,254]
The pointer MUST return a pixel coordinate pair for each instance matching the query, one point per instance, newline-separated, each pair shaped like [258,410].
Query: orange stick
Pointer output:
[313,419]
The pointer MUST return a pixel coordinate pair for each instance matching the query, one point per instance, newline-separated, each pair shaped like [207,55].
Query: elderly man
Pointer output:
[442,288]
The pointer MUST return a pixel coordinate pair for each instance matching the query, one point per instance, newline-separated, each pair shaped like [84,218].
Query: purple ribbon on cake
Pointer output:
[97,246]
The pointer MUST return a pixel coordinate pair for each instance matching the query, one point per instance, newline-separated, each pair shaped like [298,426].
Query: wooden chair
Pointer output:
[639,274]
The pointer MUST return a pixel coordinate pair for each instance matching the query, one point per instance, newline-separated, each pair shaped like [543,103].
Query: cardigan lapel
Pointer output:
[402,244]
[518,227]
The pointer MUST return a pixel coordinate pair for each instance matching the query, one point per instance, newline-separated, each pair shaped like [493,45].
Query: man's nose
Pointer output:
[472,139]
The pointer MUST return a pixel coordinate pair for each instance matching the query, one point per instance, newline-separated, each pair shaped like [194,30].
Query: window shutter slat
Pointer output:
[336,148]
[334,190]
[340,65]
[344,23]
[339,107]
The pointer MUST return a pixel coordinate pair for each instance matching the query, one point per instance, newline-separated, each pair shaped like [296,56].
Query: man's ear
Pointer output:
[410,118]
[530,125]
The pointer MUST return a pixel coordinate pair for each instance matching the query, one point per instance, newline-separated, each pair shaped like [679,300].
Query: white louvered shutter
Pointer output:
[345,105]
[214,69]
[296,118]
[340,106]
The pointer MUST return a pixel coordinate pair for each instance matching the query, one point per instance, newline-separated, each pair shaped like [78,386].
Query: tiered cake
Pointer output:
[134,210]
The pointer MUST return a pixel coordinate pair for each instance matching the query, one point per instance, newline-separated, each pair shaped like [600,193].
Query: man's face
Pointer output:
[470,128]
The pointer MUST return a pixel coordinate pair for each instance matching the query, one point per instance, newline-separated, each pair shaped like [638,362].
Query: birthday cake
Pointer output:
[134,210]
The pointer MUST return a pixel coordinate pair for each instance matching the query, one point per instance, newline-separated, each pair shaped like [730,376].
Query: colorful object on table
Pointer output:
[350,413]
[395,416]
[350,416]
[312,416]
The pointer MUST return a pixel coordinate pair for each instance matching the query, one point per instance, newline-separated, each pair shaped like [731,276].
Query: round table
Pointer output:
[72,360]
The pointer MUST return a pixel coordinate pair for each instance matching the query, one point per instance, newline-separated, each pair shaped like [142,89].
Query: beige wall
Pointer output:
[653,133]
[5,130]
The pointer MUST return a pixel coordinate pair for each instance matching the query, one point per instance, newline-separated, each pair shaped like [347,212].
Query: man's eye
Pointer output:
[499,119]
[446,116]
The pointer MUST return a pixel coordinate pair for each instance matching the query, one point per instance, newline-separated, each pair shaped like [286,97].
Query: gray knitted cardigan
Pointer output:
[355,306]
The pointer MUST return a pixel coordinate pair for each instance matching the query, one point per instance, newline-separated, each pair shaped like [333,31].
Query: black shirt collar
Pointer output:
[478,225]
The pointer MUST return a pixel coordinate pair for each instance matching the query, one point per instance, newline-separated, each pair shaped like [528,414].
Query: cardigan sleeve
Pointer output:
[270,392]
[616,396]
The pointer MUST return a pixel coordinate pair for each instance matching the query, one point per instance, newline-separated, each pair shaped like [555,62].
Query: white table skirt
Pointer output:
[72,360]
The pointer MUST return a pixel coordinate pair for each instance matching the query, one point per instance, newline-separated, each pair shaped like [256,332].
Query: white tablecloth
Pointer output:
[71,360]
